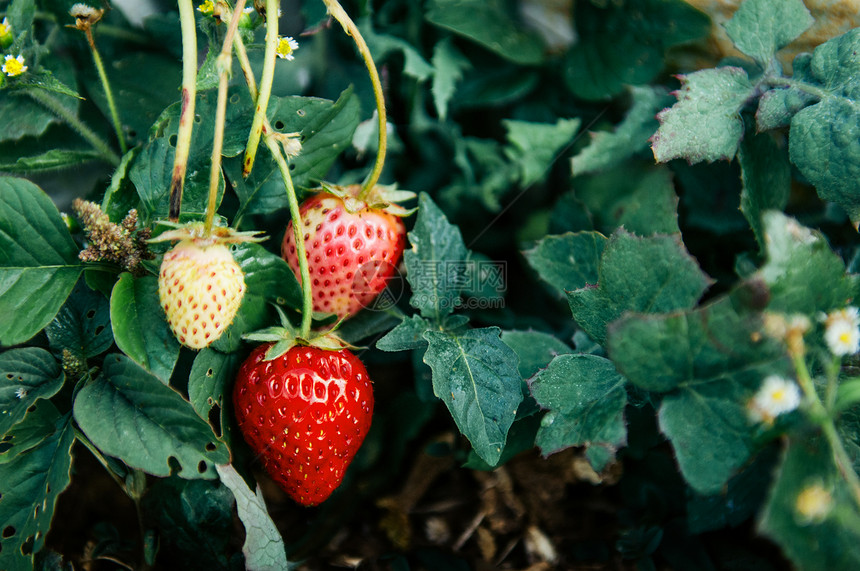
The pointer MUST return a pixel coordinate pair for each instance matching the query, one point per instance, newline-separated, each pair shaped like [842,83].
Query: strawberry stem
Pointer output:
[266,80]
[307,294]
[186,117]
[339,14]
[117,125]
[225,62]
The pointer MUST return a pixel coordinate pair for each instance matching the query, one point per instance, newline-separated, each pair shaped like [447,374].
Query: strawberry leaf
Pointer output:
[437,253]
[37,425]
[140,328]
[585,398]
[820,543]
[567,261]
[448,67]
[29,486]
[705,124]
[83,324]
[766,177]
[824,140]
[26,375]
[651,275]
[778,105]
[128,414]
[705,361]
[263,547]
[209,381]
[761,27]
[534,350]
[39,263]
[475,374]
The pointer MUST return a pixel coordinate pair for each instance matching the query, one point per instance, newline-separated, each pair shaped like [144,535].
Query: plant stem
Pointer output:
[298,232]
[117,125]
[186,117]
[352,30]
[820,416]
[780,81]
[51,103]
[265,92]
[225,63]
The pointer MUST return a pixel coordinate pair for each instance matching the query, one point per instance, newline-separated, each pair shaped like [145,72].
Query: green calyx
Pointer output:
[380,197]
[286,336]
[196,231]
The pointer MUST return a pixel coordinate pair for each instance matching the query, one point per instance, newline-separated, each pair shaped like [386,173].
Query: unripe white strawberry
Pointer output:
[201,289]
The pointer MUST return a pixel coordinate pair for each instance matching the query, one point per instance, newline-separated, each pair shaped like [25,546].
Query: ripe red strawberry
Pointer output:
[305,414]
[201,289]
[352,253]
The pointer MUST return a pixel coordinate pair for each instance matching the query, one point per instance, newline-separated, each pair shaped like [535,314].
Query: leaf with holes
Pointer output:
[26,374]
[29,486]
[129,414]
[36,426]
[211,376]
[83,324]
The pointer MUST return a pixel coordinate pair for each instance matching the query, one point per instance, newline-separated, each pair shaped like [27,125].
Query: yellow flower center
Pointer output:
[845,337]
[14,66]
[207,8]
[5,29]
[778,395]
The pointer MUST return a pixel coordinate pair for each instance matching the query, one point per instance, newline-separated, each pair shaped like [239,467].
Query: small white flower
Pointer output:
[842,332]
[81,10]
[13,66]
[776,396]
[286,47]
[248,10]
[21,392]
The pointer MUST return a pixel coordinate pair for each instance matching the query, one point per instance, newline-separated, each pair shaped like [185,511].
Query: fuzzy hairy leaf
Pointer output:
[568,261]
[535,146]
[761,27]
[407,335]
[766,176]
[646,275]
[585,398]
[475,374]
[705,124]
[133,416]
[39,263]
[534,349]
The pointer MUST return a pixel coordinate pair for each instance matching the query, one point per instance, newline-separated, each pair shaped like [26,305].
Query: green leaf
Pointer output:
[199,515]
[26,375]
[263,547]
[521,437]
[646,275]
[45,80]
[29,486]
[21,14]
[802,273]
[705,124]
[534,350]
[585,398]
[381,45]
[824,140]
[814,544]
[491,24]
[210,379]
[475,374]
[127,413]
[51,160]
[638,197]
[326,129]
[761,27]
[766,176]
[568,261]
[83,324]
[22,116]
[534,147]
[140,327]
[38,260]
[121,196]
[408,335]
[607,149]
[707,362]
[448,67]
[437,253]
[778,105]
[623,43]
[37,425]
[268,280]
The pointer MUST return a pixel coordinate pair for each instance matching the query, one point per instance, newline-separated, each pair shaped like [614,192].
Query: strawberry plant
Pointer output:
[449,284]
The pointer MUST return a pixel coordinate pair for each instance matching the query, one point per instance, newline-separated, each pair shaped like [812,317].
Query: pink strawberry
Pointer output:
[352,252]
[201,289]
[305,413]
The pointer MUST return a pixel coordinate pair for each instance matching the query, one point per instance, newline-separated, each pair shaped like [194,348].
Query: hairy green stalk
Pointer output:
[225,63]
[339,14]
[114,114]
[266,80]
[52,104]
[298,229]
[186,117]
